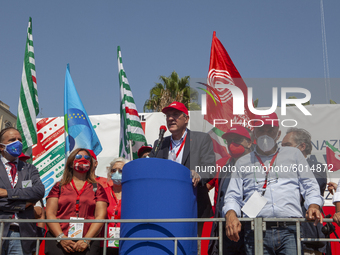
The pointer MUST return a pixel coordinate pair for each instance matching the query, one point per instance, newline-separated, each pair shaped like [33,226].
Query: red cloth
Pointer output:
[214,183]
[114,208]
[223,70]
[104,182]
[335,246]
[67,203]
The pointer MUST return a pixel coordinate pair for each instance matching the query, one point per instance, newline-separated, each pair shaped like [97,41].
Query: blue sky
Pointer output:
[265,39]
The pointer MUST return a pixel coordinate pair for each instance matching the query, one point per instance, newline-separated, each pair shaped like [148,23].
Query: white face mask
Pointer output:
[265,142]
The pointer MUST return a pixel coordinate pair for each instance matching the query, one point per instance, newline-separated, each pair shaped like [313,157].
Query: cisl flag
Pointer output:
[333,157]
[220,100]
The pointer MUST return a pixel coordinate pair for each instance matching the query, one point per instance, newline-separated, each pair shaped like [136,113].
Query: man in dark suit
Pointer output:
[192,149]
[20,189]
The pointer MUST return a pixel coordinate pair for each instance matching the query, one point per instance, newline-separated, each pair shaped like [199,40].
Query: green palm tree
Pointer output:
[294,97]
[172,88]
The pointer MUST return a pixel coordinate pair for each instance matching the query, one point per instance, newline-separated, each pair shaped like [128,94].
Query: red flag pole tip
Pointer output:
[214,33]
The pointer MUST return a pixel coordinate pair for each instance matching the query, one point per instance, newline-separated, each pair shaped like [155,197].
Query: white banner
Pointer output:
[48,155]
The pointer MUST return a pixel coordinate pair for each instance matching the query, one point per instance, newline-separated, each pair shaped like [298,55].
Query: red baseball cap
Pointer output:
[22,156]
[237,129]
[93,155]
[270,119]
[176,105]
[142,150]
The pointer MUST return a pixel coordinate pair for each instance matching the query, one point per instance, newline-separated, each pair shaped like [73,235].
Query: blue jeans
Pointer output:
[12,247]
[280,240]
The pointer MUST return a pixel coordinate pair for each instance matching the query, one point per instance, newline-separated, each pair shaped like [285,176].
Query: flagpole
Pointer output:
[130,126]
[131,153]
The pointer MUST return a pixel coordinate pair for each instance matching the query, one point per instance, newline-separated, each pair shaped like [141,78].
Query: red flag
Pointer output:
[333,157]
[223,70]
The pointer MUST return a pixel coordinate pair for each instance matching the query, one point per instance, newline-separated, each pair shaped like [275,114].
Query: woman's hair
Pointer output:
[68,171]
[108,168]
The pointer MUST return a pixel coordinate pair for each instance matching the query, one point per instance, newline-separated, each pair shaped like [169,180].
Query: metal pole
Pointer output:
[175,248]
[258,236]
[1,233]
[105,238]
[37,246]
[298,238]
[131,154]
[220,238]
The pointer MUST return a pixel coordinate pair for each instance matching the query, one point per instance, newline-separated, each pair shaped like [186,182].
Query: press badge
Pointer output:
[254,205]
[172,155]
[76,228]
[26,184]
[114,232]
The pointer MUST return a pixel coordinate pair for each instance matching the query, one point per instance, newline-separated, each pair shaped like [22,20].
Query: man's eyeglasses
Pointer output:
[174,115]
[78,156]
[237,140]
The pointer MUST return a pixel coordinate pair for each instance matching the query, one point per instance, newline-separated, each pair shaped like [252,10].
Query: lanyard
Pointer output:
[78,195]
[117,210]
[181,147]
[267,169]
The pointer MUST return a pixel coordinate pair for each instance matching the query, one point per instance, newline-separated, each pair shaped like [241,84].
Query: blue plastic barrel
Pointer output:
[157,189]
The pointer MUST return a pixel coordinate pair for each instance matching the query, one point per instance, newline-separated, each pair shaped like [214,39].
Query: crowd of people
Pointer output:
[264,179]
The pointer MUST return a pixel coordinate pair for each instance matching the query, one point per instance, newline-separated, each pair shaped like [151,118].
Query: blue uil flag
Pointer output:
[79,132]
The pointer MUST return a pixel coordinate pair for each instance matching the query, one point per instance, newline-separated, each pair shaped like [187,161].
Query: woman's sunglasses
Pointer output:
[78,156]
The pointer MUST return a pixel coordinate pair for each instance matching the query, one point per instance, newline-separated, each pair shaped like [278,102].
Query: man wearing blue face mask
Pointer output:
[268,183]
[20,189]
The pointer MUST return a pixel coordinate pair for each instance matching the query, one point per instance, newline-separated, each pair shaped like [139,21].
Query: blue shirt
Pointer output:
[290,177]
[176,144]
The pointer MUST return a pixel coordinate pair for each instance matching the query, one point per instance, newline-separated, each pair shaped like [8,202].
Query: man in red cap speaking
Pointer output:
[268,183]
[191,149]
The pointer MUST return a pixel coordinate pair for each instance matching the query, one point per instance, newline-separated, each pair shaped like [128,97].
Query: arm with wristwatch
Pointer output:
[100,214]
[54,227]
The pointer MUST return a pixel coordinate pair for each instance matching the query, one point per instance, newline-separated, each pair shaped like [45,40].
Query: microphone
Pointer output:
[162,130]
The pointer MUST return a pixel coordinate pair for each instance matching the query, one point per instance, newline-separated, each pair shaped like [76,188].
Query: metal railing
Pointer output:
[257,224]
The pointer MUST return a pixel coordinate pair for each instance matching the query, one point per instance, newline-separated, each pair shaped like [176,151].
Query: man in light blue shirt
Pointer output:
[279,176]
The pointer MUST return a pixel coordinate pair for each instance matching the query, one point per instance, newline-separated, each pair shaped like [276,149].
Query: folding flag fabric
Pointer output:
[333,157]
[223,70]
[28,107]
[79,132]
[131,130]
[219,144]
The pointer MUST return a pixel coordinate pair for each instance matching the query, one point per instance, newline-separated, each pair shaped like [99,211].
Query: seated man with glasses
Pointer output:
[268,183]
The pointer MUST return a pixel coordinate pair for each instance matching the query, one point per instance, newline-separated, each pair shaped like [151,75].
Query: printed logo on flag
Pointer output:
[216,79]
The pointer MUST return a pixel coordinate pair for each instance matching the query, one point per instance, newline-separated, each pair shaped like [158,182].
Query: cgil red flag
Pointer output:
[223,70]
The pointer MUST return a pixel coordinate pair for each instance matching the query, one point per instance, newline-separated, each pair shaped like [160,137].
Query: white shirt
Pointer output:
[176,144]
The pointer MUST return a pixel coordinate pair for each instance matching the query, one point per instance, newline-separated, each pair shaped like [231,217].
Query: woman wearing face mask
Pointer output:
[114,194]
[77,195]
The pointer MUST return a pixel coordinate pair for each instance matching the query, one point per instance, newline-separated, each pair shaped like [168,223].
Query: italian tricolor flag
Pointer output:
[333,157]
